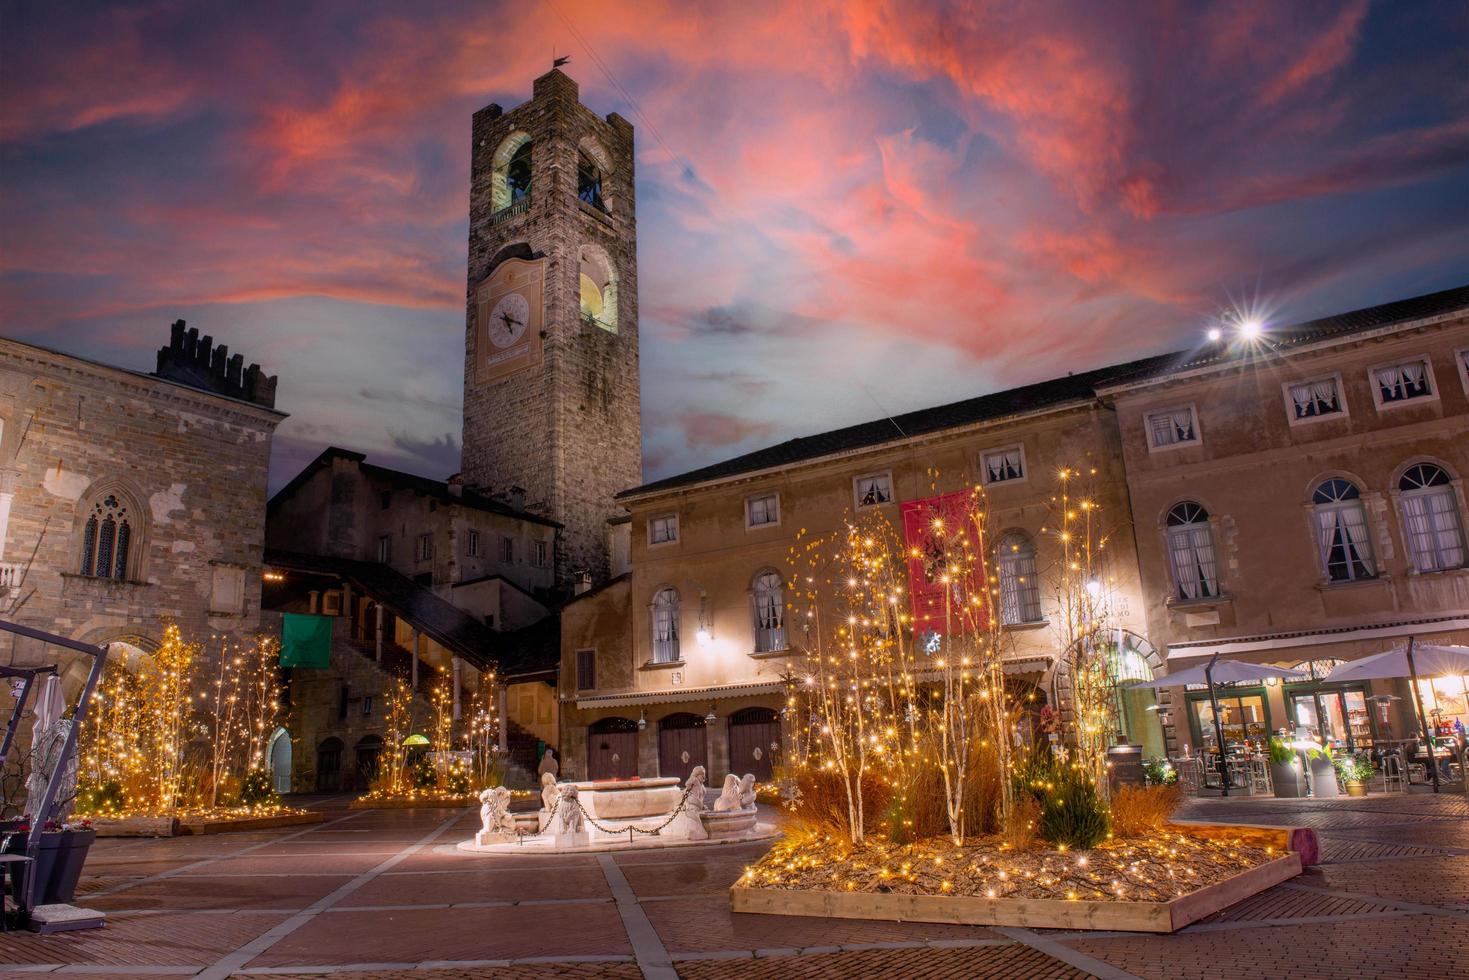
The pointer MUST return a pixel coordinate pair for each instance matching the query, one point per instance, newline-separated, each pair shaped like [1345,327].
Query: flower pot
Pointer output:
[1355,787]
[1287,779]
[58,866]
[1323,778]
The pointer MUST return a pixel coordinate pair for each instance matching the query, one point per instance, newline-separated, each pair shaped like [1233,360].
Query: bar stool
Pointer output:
[1392,773]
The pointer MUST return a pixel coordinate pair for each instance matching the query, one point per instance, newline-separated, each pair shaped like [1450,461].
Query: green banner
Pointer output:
[306,641]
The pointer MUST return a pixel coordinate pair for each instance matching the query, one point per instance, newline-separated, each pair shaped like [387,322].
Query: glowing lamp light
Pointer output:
[1215,335]
[702,637]
[1093,588]
[1250,328]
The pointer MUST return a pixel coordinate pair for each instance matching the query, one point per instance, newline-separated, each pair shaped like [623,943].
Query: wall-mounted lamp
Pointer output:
[711,717]
[642,719]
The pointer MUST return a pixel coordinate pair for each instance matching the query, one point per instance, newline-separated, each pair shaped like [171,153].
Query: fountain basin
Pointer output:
[629,799]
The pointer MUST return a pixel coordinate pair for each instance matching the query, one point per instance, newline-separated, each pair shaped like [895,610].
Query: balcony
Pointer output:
[510,211]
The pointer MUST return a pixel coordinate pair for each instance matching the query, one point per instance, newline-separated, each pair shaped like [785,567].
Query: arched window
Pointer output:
[598,289]
[1431,521]
[1341,526]
[770,631]
[107,544]
[1191,551]
[1020,594]
[665,626]
[510,181]
[589,181]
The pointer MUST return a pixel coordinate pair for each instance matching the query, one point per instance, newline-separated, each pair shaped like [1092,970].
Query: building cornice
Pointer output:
[1303,638]
[1270,357]
[629,497]
[34,358]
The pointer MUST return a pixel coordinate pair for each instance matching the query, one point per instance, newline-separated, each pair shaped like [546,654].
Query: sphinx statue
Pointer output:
[729,796]
[686,823]
[569,829]
[747,792]
[496,822]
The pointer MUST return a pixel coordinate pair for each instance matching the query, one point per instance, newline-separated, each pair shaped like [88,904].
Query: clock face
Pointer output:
[508,320]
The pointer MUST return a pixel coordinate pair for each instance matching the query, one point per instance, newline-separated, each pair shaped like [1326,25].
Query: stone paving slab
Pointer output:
[1009,961]
[414,935]
[187,939]
[486,885]
[1408,947]
[1440,881]
[205,891]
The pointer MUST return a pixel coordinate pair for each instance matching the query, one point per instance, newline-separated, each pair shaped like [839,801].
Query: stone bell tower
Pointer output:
[551,401]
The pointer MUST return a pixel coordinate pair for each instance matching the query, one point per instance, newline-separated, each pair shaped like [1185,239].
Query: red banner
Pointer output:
[943,542]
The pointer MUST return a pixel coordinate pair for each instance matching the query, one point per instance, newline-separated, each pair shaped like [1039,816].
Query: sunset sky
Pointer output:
[844,210]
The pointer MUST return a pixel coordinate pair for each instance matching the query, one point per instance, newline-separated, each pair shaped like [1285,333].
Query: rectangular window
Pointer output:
[1407,381]
[541,554]
[366,705]
[1306,401]
[507,550]
[385,548]
[1461,360]
[762,511]
[586,670]
[385,499]
[471,543]
[342,703]
[1175,427]
[873,489]
[662,530]
[1003,465]
[425,547]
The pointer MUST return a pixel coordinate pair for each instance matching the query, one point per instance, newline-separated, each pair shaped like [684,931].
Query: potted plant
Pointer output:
[59,860]
[1159,772]
[1354,771]
[1323,772]
[1285,770]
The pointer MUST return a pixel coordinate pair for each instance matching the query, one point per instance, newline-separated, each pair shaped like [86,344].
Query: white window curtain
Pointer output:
[1019,590]
[1315,398]
[1433,529]
[665,627]
[1004,465]
[1172,427]
[1401,381]
[1346,551]
[1183,421]
[770,632]
[1195,569]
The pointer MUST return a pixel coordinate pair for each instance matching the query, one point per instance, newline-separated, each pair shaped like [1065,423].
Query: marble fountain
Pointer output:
[620,814]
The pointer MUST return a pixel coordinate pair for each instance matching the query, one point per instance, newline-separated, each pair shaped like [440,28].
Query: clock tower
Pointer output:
[551,401]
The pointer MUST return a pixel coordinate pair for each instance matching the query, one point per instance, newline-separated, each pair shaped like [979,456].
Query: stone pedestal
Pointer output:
[481,838]
[578,839]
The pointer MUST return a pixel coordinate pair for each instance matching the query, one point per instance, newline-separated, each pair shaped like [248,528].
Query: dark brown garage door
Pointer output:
[612,749]
[754,739]
[681,745]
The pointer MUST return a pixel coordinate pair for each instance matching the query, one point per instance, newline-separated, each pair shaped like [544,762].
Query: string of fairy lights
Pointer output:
[905,693]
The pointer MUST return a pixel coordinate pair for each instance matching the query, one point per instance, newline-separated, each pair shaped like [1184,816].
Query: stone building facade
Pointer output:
[131,501]
[1324,479]
[426,580]
[1236,471]
[552,185]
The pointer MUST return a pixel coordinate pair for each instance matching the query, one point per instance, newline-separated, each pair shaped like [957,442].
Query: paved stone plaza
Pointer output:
[383,893]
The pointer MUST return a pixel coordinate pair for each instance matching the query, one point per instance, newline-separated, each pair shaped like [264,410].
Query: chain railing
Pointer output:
[619,831]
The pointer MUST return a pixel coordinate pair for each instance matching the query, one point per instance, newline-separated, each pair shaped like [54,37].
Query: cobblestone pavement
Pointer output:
[378,894]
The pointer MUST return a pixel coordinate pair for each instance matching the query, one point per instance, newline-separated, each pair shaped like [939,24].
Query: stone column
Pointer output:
[502,701]
[379,609]
[458,709]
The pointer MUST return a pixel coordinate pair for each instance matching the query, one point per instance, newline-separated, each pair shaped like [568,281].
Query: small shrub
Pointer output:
[257,788]
[1074,814]
[457,782]
[1353,768]
[424,774]
[1281,752]
[1160,772]
[1138,811]
[1020,829]
[818,802]
[106,798]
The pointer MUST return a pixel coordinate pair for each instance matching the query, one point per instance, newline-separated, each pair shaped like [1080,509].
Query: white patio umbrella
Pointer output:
[48,736]
[1218,671]
[1412,661]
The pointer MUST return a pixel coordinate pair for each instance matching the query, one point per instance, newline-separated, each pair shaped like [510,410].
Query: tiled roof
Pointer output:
[437,489]
[1056,392]
[510,654]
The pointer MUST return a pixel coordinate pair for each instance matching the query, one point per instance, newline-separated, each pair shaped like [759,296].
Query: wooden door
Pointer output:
[682,746]
[754,738]
[612,755]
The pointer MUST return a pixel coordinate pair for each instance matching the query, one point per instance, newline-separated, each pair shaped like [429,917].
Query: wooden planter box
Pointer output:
[1025,912]
[1029,913]
[191,826]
